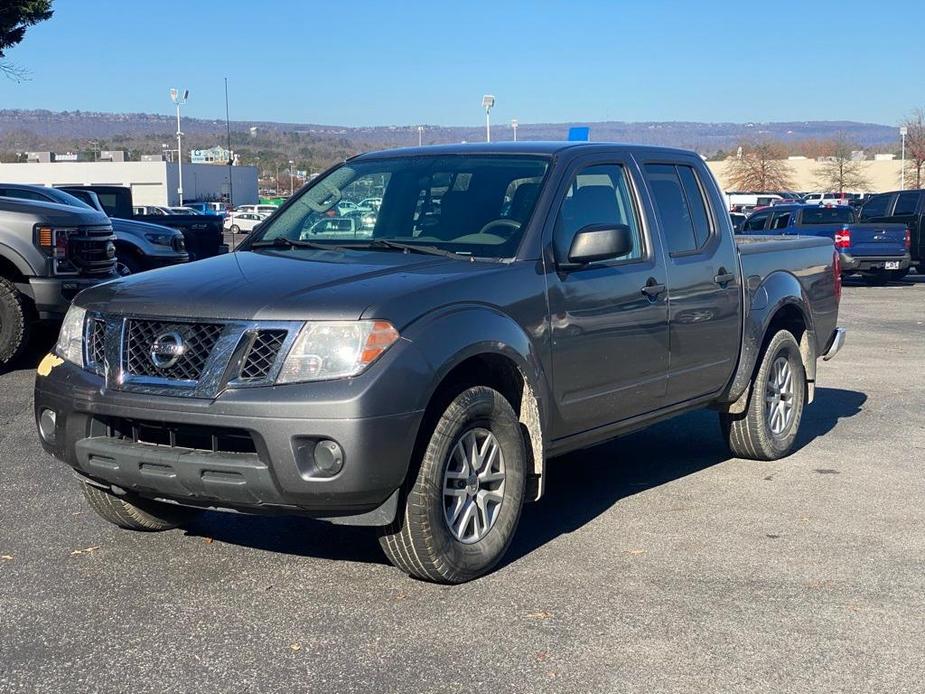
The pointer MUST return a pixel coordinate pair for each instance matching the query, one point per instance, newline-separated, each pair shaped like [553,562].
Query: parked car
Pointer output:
[202,234]
[418,380]
[827,198]
[183,210]
[879,252]
[261,209]
[139,246]
[243,221]
[905,207]
[345,227]
[151,210]
[48,253]
[217,208]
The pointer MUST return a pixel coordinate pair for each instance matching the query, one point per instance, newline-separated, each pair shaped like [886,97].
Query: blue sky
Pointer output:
[379,63]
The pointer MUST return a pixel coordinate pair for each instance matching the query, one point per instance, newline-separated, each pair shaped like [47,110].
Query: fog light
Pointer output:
[47,419]
[328,458]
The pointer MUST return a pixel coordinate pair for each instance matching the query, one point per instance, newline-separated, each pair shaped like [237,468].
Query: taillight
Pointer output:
[907,241]
[836,271]
[843,238]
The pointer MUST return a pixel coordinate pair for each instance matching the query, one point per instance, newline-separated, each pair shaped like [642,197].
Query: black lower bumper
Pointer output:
[52,295]
[868,263]
[267,467]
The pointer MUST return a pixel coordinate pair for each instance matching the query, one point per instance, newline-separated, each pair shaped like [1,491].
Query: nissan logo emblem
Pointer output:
[167,349]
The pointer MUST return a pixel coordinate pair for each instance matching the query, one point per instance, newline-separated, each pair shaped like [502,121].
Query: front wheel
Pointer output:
[768,427]
[461,508]
[135,513]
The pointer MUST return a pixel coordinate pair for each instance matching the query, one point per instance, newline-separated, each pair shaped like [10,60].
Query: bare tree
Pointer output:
[915,148]
[15,17]
[760,166]
[839,171]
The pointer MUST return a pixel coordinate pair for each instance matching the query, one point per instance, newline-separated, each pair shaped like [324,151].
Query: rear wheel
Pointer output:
[15,321]
[235,229]
[461,508]
[768,427]
[135,513]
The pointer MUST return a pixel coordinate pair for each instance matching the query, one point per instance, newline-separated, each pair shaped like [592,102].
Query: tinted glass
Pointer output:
[696,204]
[828,215]
[781,221]
[473,205]
[24,194]
[906,203]
[756,222]
[599,195]
[672,208]
[875,207]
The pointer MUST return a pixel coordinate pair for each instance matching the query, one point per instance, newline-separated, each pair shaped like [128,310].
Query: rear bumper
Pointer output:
[836,342]
[873,263]
[275,474]
[52,295]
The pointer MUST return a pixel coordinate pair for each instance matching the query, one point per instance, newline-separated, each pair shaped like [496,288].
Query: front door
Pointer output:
[609,337]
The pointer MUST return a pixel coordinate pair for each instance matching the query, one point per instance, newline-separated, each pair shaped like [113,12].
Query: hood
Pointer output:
[55,214]
[299,284]
[136,228]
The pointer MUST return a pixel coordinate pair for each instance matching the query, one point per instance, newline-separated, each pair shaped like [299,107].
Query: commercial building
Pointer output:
[152,182]
[881,174]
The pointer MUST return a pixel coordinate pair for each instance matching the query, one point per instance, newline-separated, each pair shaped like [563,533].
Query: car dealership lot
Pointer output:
[655,563]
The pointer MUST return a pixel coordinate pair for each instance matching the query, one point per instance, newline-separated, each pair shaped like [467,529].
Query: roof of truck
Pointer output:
[510,147]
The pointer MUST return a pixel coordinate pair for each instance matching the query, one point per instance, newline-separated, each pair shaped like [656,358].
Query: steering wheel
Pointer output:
[510,225]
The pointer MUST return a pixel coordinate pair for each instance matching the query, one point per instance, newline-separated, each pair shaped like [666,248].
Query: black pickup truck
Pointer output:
[511,302]
[202,234]
[901,207]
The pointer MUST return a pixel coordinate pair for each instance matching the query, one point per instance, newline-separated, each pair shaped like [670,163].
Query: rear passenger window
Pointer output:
[875,207]
[906,203]
[756,222]
[781,221]
[681,207]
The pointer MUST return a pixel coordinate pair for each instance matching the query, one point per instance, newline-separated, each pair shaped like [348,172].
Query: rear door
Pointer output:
[704,299]
[609,336]
[756,223]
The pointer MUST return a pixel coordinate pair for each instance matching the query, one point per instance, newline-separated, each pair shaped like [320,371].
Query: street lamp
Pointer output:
[487,102]
[420,135]
[903,131]
[291,179]
[179,100]
[514,128]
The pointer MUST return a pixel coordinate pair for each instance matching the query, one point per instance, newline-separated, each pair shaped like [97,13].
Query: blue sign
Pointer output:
[579,134]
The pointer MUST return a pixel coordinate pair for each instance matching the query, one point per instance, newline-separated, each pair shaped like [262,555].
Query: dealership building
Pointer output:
[152,182]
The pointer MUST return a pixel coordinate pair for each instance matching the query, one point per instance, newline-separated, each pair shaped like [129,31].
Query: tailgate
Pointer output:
[878,239]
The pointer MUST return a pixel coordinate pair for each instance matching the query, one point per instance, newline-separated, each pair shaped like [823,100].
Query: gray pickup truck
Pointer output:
[48,253]
[511,302]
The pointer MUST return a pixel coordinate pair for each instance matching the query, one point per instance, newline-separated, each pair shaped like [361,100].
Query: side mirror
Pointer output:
[598,242]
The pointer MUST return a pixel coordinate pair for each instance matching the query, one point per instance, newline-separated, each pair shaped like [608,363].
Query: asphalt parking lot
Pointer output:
[655,563]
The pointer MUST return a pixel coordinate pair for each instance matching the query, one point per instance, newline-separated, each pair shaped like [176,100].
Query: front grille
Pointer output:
[262,355]
[96,345]
[175,435]
[92,251]
[199,340]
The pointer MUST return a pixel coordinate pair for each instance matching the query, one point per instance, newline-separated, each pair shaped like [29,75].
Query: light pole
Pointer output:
[903,131]
[514,128]
[487,102]
[291,179]
[420,135]
[179,100]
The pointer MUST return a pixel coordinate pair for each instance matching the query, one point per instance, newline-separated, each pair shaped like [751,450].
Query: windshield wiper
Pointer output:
[412,248]
[283,242]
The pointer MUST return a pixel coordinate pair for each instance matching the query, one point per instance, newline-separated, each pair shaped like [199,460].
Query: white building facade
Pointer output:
[152,182]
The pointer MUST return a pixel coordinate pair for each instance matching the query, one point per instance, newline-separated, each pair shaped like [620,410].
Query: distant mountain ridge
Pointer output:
[704,137]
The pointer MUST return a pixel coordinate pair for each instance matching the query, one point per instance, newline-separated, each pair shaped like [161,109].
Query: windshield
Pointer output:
[828,215]
[469,205]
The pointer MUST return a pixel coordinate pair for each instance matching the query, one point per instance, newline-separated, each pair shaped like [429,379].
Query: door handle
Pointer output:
[723,278]
[653,288]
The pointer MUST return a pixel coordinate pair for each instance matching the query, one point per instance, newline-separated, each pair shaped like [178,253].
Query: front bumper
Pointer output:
[53,295]
[873,263]
[276,475]
[836,342]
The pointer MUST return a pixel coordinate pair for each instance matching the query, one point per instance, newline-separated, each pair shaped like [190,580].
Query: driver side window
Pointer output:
[598,195]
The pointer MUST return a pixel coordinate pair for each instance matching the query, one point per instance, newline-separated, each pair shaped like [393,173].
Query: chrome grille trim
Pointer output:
[231,360]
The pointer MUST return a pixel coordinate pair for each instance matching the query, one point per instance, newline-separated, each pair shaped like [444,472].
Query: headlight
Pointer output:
[71,338]
[160,239]
[336,349]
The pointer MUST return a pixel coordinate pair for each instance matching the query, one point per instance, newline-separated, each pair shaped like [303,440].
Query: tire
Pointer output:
[134,513]
[420,540]
[15,321]
[750,434]
[127,265]
[235,229]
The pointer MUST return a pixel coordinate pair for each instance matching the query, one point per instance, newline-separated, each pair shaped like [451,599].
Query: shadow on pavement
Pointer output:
[580,486]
